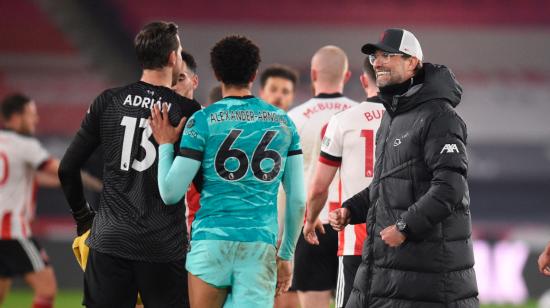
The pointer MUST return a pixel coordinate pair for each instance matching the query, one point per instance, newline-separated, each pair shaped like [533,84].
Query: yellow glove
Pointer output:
[81,252]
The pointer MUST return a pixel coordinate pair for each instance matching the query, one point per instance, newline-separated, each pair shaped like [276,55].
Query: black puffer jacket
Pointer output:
[420,176]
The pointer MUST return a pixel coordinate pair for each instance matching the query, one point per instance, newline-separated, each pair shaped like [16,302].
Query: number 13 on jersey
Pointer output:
[150,151]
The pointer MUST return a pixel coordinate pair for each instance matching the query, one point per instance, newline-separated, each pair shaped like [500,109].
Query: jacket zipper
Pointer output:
[371,238]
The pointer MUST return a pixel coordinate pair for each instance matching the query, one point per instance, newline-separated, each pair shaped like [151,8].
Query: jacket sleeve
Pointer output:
[358,206]
[445,156]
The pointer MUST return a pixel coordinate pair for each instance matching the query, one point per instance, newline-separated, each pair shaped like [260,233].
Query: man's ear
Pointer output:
[195,81]
[364,81]
[313,75]
[253,77]
[347,76]
[413,63]
[14,120]
[172,58]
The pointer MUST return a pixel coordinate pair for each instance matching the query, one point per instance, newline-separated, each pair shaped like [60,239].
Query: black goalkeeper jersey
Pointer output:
[132,221]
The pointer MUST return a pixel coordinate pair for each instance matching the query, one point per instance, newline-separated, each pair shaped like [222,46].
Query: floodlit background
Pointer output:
[64,53]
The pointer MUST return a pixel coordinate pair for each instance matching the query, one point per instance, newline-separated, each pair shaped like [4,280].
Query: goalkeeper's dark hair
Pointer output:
[235,60]
[155,42]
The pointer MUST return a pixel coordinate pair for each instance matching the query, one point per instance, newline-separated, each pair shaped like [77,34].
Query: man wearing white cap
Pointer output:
[419,249]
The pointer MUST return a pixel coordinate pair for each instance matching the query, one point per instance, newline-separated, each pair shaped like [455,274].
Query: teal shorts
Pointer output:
[249,268]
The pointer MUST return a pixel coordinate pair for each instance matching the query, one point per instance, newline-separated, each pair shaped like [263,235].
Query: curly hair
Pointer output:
[235,60]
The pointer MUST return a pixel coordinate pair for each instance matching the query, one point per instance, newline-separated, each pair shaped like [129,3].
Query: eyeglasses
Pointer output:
[383,57]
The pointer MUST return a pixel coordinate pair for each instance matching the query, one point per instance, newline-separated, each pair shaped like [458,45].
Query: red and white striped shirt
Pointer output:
[311,119]
[20,157]
[349,144]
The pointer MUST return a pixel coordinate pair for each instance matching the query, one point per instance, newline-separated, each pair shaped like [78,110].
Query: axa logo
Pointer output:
[449,148]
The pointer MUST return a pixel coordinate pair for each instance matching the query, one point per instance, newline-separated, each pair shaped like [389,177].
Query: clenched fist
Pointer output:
[339,219]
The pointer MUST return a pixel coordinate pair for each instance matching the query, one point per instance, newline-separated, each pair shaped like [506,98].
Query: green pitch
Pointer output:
[21,298]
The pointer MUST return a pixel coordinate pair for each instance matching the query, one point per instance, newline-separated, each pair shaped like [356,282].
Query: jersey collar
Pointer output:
[240,97]
[329,95]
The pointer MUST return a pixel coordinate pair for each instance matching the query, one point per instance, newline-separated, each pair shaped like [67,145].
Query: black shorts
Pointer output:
[347,268]
[21,256]
[316,267]
[111,281]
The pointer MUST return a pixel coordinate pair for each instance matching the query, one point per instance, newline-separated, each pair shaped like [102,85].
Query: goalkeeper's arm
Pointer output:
[80,149]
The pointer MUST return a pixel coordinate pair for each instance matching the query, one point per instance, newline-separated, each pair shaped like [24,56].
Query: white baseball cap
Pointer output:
[397,41]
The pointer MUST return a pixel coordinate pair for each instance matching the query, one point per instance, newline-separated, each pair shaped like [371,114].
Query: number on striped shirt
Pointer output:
[368,134]
[129,124]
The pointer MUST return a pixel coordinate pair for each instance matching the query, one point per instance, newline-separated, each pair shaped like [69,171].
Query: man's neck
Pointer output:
[328,89]
[161,77]
[235,91]
[371,92]
[396,89]
[14,127]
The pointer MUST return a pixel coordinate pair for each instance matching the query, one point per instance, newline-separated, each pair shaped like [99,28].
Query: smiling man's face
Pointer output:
[392,68]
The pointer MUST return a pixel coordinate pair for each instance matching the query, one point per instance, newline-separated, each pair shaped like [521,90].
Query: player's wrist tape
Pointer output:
[84,213]
[84,219]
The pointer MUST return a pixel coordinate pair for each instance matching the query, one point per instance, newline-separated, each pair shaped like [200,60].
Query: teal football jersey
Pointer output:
[243,144]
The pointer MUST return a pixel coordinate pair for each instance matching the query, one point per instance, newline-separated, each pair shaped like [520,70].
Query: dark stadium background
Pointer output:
[63,53]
